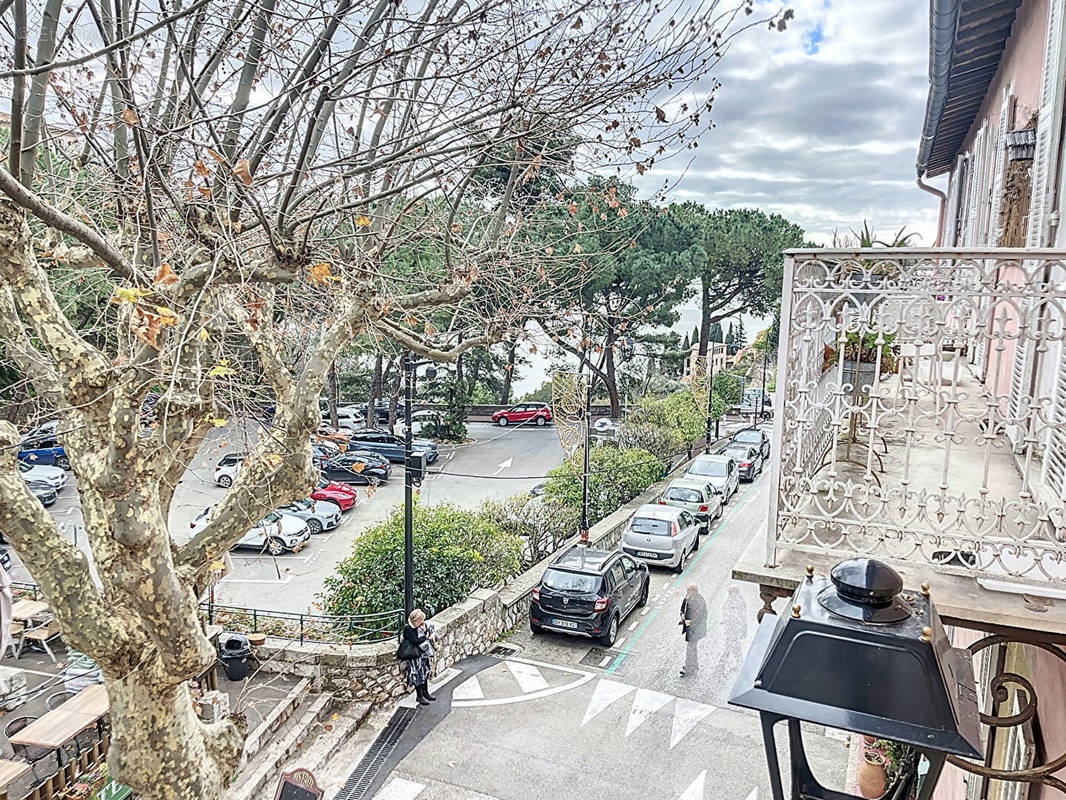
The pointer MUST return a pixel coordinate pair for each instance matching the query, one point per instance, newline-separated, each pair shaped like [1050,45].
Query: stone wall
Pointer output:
[371,673]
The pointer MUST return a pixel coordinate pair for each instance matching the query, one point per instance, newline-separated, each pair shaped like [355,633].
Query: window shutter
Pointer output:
[1018,406]
[976,168]
[1047,127]
[998,166]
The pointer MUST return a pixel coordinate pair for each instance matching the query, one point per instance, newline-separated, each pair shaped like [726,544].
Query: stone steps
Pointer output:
[280,714]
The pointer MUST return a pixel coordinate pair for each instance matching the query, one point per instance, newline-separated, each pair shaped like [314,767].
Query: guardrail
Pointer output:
[353,629]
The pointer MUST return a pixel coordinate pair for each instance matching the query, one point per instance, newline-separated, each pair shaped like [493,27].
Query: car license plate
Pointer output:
[646,554]
[563,623]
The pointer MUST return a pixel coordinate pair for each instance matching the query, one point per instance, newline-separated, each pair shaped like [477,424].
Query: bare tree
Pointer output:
[258,183]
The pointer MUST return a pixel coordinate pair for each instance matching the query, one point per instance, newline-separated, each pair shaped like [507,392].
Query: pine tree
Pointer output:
[729,337]
[686,345]
[716,332]
[740,338]
[695,337]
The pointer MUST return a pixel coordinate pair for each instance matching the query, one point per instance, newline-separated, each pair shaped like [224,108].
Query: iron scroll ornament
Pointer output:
[568,409]
[1039,773]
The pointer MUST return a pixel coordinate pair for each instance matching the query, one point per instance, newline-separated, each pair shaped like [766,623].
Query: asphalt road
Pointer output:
[562,718]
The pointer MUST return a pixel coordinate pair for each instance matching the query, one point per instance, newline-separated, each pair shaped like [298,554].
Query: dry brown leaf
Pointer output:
[165,276]
[320,273]
[130,116]
[216,156]
[243,170]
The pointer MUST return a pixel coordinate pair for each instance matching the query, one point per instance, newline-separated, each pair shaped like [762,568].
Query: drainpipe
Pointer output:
[925,187]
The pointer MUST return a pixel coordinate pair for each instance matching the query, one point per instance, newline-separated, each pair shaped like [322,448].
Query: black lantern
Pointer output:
[858,653]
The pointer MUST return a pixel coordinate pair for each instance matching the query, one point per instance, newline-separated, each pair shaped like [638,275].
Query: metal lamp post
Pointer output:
[413,472]
[587,461]
[710,396]
[857,653]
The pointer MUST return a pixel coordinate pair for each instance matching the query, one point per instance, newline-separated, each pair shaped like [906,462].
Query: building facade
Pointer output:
[922,392]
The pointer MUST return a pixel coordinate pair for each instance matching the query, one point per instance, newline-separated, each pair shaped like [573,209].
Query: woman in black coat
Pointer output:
[693,627]
[417,633]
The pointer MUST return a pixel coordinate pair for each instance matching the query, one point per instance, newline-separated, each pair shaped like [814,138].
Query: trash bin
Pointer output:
[235,653]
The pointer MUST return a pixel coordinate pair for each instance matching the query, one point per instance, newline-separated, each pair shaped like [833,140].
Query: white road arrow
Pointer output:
[695,789]
[645,703]
[754,794]
[687,714]
[503,465]
[606,693]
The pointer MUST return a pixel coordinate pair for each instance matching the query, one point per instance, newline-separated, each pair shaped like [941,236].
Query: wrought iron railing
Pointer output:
[922,400]
[350,629]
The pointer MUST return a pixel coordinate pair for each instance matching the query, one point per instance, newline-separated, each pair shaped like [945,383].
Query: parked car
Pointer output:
[662,535]
[45,451]
[423,423]
[538,490]
[748,457]
[756,438]
[275,533]
[44,493]
[381,410]
[697,497]
[341,495]
[53,477]
[318,514]
[46,430]
[335,436]
[753,395]
[537,413]
[227,468]
[355,467]
[391,446]
[588,592]
[348,416]
[5,559]
[721,472]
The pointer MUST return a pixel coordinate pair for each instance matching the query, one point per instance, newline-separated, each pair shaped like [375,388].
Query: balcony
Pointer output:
[921,420]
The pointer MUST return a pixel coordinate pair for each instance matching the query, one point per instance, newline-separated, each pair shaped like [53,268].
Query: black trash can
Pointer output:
[235,653]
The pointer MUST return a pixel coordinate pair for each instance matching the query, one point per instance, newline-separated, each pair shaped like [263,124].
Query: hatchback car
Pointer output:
[662,535]
[588,592]
[536,413]
[44,451]
[721,472]
[340,494]
[275,533]
[697,497]
[227,468]
[391,446]
[748,457]
[360,467]
[53,477]
[754,437]
[44,493]
[319,515]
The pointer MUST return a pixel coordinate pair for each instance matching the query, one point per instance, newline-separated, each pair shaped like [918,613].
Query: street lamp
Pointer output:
[857,653]
[414,469]
[710,395]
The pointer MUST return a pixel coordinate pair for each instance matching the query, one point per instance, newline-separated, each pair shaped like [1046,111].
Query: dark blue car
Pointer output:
[389,445]
[47,452]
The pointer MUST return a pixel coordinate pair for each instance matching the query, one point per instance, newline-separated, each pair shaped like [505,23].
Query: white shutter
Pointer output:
[999,160]
[1018,406]
[1055,460]
[976,168]
[1047,128]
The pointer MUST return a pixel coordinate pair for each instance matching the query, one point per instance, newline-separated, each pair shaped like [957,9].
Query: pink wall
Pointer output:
[1002,317]
[1049,681]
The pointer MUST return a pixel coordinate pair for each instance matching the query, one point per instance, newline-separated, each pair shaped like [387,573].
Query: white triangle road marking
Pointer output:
[754,794]
[606,693]
[695,789]
[687,714]
[400,789]
[528,677]
[470,689]
[645,703]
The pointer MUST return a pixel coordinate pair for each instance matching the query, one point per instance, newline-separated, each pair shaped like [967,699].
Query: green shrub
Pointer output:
[680,412]
[617,476]
[455,552]
[663,443]
[542,524]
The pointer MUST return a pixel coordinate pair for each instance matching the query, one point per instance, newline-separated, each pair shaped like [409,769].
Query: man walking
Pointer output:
[693,627]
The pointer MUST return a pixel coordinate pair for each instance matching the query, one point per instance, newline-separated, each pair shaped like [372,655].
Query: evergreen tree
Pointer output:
[729,337]
[716,332]
[740,338]
[685,344]
[695,337]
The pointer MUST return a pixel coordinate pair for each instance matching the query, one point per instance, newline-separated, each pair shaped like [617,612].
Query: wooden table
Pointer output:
[54,729]
[10,771]
[25,610]
[92,701]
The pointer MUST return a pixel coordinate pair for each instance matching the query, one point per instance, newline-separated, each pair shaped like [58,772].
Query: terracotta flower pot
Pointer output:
[869,739]
[872,780]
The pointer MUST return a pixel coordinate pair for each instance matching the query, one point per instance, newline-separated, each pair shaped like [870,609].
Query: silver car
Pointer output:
[722,472]
[662,535]
[697,497]
[320,515]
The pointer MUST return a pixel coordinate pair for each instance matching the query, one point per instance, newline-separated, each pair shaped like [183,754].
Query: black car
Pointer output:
[588,592]
[43,492]
[381,411]
[754,437]
[390,446]
[359,467]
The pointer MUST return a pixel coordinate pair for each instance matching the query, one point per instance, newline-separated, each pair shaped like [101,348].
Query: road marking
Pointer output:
[261,557]
[645,611]
[470,689]
[633,625]
[274,582]
[528,677]
[620,642]
[645,703]
[581,679]
[504,465]
[606,693]
[695,789]
[606,660]
[754,794]
[687,714]
[400,789]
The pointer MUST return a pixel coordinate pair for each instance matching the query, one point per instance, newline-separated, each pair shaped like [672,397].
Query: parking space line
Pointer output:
[274,582]
[280,560]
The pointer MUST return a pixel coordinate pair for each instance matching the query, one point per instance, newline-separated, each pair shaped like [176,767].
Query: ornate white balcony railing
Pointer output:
[922,409]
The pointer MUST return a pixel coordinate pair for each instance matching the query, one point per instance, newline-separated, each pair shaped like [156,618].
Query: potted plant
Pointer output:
[872,777]
[861,356]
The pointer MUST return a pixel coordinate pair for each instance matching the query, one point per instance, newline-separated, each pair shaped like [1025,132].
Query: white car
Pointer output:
[423,423]
[275,533]
[349,417]
[320,515]
[227,468]
[53,477]
[722,472]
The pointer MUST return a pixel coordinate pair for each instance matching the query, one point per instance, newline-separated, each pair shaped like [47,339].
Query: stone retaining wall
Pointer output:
[371,673]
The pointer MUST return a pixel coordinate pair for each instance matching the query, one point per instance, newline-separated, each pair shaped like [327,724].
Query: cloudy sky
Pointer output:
[821,123]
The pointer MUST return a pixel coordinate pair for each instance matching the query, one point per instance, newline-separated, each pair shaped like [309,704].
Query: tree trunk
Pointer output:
[508,374]
[334,395]
[375,392]
[394,395]
[612,380]
[161,748]
[705,316]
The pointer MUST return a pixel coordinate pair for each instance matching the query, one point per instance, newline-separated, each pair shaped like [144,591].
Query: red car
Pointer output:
[344,496]
[537,413]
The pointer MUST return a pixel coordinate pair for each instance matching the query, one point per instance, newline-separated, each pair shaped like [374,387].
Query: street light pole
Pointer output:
[587,461]
[408,488]
[710,395]
[762,394]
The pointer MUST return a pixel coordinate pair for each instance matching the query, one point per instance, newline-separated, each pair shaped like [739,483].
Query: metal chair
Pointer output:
[28,752]
[42,635]
[54,701]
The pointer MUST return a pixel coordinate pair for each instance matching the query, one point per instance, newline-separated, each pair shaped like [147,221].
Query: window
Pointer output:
[628,567]
[618,577]
[654,527]
[752,437]
[712,469]
[570,581]
[683,495]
